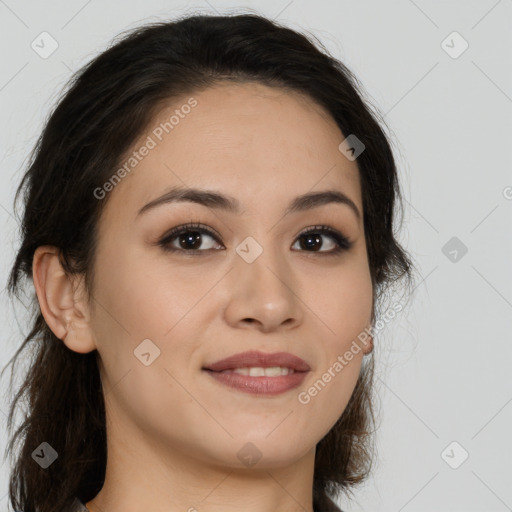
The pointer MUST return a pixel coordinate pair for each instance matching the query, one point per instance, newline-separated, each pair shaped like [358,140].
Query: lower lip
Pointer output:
[260,385]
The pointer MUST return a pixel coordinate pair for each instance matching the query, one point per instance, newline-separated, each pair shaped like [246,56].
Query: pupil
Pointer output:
[192,237]
[313,241]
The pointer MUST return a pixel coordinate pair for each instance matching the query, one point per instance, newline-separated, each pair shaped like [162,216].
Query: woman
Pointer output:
[208,224]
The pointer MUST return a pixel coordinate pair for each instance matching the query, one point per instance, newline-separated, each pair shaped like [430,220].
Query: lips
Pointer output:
[254,358]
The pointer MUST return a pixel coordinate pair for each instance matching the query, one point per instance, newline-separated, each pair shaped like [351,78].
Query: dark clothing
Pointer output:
[325,504]
[78,506]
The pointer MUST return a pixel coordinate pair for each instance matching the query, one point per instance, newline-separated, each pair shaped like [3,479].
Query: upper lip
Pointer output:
[254,358]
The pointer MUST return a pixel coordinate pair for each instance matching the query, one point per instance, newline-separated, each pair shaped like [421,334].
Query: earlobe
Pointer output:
[369,346]
[63,309]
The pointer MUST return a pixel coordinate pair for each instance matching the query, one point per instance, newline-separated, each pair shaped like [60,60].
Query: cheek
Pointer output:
[139,301]
[342,302]
[343,307]
[148,394]
[144,297]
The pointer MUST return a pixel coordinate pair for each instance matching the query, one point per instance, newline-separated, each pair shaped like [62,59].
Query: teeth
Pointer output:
[273,371]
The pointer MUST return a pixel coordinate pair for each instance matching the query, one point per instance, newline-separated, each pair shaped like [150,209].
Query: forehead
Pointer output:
[249,140]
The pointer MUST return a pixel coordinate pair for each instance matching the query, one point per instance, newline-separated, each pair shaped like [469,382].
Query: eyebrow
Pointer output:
[212,199]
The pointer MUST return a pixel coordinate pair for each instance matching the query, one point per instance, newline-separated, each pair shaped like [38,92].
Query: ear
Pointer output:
[62,300]
[368,346]
[368,341]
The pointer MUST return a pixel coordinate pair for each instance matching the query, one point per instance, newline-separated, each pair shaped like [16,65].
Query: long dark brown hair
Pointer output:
[103,110]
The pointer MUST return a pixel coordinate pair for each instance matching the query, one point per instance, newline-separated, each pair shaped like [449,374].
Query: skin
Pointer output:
[173,431]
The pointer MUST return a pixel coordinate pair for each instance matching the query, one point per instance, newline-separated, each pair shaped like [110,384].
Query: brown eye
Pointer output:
[313,240]
[188,238]
[192,238]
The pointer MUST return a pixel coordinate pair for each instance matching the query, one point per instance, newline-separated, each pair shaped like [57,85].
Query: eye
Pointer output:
[312,240]
[188,239]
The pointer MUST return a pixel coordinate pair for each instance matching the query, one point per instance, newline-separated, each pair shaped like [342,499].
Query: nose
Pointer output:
[263,295]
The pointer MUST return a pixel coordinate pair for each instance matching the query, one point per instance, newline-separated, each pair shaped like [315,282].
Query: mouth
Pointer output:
[270,381]
[259,373]
[255,361]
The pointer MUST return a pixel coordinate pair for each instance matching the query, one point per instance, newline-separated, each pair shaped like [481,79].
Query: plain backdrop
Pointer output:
[440,72]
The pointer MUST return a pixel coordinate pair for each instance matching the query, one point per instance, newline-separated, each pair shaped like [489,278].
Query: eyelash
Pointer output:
[344,244]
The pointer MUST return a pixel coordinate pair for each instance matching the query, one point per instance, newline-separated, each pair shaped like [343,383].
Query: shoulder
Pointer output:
[332,507]
[78,506]
[325,504]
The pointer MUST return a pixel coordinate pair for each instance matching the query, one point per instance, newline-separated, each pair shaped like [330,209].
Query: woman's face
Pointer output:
[256,283]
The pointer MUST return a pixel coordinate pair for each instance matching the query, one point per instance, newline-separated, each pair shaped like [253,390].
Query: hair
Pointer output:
[102,111]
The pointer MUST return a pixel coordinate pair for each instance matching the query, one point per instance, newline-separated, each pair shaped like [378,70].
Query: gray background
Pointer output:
[444,363]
